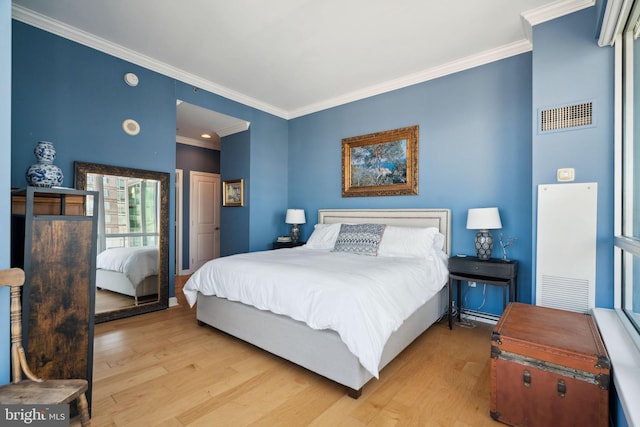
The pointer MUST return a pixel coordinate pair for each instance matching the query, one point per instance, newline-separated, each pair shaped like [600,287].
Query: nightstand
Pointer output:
[281,245]
[493,271]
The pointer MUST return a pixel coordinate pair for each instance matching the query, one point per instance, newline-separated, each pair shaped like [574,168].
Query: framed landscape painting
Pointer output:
[381,164]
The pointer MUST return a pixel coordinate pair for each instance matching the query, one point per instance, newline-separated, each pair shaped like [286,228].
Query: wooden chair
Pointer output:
[35,391]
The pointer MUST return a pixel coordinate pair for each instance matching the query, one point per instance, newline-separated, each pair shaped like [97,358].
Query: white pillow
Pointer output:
[410,241]
[324,236]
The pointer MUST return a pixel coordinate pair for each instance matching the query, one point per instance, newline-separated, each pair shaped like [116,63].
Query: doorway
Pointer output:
[204,218]
[199,135]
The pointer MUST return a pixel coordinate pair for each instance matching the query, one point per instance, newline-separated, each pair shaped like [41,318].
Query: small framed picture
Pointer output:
[233,192]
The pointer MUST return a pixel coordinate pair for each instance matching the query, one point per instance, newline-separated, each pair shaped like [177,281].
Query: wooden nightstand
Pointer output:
[493,271]
[281,245]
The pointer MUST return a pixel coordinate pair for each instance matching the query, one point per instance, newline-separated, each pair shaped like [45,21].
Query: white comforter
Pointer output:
[363,298]
[135,263]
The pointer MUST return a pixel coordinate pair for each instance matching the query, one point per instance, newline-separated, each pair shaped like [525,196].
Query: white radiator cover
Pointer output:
[566,246]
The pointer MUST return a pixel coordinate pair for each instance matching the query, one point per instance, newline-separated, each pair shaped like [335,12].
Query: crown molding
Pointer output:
[241,126]
[529,19]
[555,10]
[77,35]
[213,145]
[549,12]
[466,63]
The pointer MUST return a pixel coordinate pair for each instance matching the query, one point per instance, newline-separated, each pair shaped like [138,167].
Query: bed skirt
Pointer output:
[321,351]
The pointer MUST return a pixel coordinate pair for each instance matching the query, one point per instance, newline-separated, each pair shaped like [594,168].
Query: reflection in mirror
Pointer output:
[132,262]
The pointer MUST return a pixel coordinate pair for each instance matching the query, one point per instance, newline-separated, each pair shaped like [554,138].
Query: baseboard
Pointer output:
[480,316]
[173,302]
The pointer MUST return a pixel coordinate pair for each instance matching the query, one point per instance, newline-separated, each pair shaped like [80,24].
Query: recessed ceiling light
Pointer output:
[206,135]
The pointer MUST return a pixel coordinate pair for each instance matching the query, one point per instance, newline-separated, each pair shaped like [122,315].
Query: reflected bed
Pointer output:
[128,271]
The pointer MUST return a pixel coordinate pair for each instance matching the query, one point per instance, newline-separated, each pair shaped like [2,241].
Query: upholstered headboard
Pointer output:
[439,218]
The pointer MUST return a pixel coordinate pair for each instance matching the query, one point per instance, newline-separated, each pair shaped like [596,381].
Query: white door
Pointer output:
[204,235]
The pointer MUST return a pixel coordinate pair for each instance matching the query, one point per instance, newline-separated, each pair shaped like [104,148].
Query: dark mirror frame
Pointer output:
[81,169]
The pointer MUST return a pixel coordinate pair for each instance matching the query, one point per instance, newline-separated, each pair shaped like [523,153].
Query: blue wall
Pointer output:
[475,138]
[478,145]
[236,160]
[269,180]
[568,68]
[258,159]
[5,178]
[75,97]
[475,151]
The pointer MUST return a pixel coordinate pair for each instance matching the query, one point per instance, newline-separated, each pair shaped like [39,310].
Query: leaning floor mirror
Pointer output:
[132,275]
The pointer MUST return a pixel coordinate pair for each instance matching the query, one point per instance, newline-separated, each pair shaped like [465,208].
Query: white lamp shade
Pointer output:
[483,219]
[295,216]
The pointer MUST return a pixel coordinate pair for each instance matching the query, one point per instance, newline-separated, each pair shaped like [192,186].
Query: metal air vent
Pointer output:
[566,117]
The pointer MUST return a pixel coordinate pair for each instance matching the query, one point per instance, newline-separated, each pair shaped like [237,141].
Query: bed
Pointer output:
[128,271]
[330,351]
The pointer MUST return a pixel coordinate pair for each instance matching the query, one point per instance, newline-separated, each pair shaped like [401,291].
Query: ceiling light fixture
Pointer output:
[206,136]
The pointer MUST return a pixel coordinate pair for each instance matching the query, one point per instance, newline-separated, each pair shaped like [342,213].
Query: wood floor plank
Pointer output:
[304,407]
[113,385]
[338,414]
[163,369]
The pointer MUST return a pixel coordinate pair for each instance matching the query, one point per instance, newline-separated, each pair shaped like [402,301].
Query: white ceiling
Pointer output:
[192,121]
[294,57]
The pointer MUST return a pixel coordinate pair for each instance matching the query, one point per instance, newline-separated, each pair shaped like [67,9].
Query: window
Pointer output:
[621,327]
[131,207]
[628,169]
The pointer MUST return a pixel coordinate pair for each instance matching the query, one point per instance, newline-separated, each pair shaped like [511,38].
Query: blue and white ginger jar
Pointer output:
[44,173]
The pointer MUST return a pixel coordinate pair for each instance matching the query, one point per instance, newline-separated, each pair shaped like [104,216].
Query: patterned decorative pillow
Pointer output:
[361,239]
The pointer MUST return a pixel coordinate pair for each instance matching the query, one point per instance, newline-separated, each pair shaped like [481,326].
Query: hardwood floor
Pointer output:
[162,369]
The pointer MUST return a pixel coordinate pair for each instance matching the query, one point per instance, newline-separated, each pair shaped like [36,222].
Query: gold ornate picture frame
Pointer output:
[233,192]
[381,164]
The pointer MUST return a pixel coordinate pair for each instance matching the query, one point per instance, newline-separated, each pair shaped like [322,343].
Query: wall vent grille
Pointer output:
[566,246]
[567,117]
[565,293]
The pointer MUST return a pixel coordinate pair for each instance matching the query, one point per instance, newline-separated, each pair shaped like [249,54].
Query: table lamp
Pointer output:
[295,217]
[483,220]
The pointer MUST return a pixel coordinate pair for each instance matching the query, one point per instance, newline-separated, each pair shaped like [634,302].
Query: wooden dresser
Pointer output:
[54,241]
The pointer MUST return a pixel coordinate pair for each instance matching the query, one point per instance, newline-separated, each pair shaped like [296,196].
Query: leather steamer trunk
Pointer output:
[548,367]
